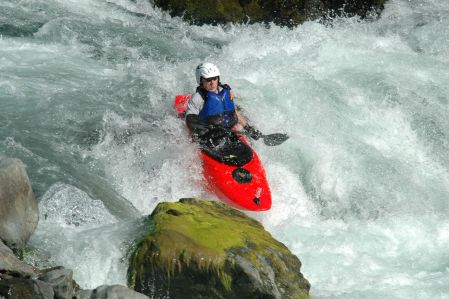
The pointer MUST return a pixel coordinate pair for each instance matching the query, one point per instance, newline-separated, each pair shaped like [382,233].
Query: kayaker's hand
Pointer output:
[206,129]
[254,133]
[201,130]
[198,126]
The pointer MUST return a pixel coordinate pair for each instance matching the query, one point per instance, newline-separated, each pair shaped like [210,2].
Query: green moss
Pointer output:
[193,241]
[24,252]
[205,226]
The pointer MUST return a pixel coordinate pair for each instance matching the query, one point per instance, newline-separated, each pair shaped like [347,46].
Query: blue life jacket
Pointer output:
[218,107]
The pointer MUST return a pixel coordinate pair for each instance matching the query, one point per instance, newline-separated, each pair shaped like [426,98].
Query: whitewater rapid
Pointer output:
[359,190]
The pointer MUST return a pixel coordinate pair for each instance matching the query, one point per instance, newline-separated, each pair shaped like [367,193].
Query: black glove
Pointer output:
[198,126]
[254,133]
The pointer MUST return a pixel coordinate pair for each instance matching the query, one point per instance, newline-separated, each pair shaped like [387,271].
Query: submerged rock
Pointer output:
[281,12]
[205,249]
[18,207]
[110,292]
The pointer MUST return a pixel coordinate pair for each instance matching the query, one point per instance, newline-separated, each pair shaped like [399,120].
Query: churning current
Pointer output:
[360,190]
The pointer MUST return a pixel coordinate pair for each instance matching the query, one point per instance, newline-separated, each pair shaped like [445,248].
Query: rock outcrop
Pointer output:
[14,286]
[18,207]
[281,12]
[205,249]
[54,283]
[61,281]
[18,220]
[9,262]
[110,292]
[19,280]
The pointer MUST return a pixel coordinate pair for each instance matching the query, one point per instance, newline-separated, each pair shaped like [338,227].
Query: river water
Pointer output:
[360,190]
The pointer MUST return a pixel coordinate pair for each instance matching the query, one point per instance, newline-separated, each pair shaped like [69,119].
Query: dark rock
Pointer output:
[281,12]
[61,281]
[209,250]
[353,7]
[9,262]
[13,287]
[110,292]
[18,207]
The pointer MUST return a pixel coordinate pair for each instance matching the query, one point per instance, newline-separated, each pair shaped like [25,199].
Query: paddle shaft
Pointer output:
[270,139]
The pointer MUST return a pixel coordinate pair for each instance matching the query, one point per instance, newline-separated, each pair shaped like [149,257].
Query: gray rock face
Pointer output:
[19,216]
[21,281]
[110,292]
[9,262]
[13,287]
[61,281]
[18,207]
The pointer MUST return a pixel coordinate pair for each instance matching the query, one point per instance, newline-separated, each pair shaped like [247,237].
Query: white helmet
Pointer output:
[206,70]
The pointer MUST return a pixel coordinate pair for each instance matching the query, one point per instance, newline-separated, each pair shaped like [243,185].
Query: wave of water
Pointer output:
[359,190]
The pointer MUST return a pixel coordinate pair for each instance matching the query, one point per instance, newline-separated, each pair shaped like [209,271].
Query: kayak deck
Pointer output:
[232,169]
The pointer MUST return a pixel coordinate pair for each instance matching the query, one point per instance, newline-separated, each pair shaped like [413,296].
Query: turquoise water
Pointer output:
[360,189]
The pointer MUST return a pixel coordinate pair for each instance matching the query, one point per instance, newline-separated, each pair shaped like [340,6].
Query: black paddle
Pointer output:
[274,139]
[270,139]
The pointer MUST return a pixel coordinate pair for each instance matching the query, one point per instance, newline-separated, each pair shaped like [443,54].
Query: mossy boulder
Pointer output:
[205,249]
[281,12]
[225,11]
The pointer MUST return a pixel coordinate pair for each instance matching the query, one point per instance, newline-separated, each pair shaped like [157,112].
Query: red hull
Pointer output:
[254,195]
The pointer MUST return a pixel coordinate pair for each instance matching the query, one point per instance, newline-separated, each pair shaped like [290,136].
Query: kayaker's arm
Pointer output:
[241,120]
[254,133]
[196,125]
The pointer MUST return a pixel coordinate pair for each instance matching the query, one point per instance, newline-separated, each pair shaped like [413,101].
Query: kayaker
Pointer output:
[212,105]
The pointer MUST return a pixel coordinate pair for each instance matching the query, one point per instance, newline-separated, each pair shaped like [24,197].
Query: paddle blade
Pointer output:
[274,139]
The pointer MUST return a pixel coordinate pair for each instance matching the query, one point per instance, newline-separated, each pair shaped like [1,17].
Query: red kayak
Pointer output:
[232,168]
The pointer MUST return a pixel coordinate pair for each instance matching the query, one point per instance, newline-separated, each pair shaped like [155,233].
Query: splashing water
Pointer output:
[359,189]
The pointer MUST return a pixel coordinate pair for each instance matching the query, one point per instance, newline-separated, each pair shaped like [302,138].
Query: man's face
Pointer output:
[210,84]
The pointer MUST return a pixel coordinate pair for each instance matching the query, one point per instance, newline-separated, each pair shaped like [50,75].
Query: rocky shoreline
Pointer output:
[281,12]
[18,219]
[190,249]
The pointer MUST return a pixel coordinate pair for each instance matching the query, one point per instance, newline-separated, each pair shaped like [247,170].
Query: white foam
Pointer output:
[359,190]
[77,232]
[66,205]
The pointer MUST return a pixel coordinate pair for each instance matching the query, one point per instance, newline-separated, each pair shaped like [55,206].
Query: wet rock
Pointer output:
[20,280]
[18,206]
[209,250]
[110,292]
[354,7]
[61,280]
[9,262]
[281,12]
[13,286]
